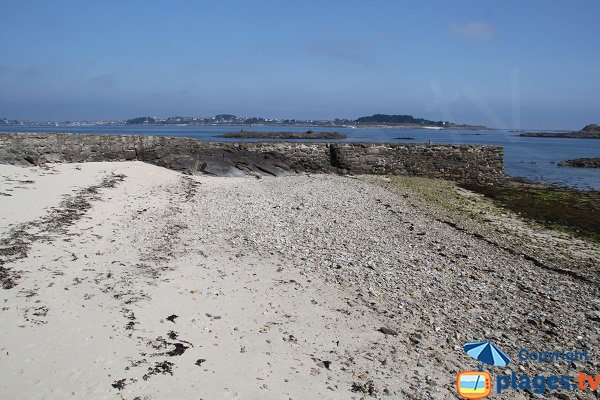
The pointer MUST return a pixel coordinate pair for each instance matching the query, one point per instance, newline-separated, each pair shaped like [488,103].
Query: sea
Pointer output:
[532,158]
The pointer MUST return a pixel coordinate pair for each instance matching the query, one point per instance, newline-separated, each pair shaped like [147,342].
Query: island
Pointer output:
[593,162]
[408,121]
[591,131]
[308,135]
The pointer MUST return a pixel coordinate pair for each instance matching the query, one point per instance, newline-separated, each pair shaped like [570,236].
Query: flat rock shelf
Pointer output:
[581,163]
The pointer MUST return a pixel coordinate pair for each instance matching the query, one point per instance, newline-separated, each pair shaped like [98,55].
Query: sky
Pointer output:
[505,64]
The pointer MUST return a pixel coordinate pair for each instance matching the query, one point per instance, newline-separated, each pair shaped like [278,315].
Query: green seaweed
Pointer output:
[574,211]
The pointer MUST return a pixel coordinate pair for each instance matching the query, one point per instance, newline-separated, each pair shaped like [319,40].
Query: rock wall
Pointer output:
[456,162]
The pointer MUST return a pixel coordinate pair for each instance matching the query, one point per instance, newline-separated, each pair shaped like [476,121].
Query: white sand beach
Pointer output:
[124,280]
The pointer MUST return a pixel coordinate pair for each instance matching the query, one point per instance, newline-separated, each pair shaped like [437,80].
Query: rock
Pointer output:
[272,169]
[324,364]
[581,163]
[221,168]
[388,331]
[415,338]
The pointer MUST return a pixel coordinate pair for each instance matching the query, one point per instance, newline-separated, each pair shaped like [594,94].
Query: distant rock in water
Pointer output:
[581,162]
[591,131]
[284,135]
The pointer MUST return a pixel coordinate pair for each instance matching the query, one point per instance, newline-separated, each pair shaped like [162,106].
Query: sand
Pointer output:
[136,282]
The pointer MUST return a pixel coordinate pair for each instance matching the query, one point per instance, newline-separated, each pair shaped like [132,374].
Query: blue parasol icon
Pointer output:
[486,353]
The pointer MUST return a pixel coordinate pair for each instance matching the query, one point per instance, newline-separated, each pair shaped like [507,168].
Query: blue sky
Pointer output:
[513,64]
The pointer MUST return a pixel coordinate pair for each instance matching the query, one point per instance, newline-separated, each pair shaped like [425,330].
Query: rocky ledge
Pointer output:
[591,131]
[581,163]
[454,162]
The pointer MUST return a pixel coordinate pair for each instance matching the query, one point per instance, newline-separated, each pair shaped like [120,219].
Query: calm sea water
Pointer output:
[531,158]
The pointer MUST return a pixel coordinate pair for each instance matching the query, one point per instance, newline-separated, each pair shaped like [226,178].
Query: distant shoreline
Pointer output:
[358,126]
[309,135]
[373,121]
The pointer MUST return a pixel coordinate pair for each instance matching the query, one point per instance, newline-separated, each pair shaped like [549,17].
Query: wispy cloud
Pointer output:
[346,50]
[473,30]
[105,80]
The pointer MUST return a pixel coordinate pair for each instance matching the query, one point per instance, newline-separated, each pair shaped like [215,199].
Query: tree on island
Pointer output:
[141,120]
[396,119]
[226,117]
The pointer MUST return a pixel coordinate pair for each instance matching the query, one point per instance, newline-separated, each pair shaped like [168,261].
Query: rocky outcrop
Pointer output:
[455,162]
[591,131]
[581,162]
